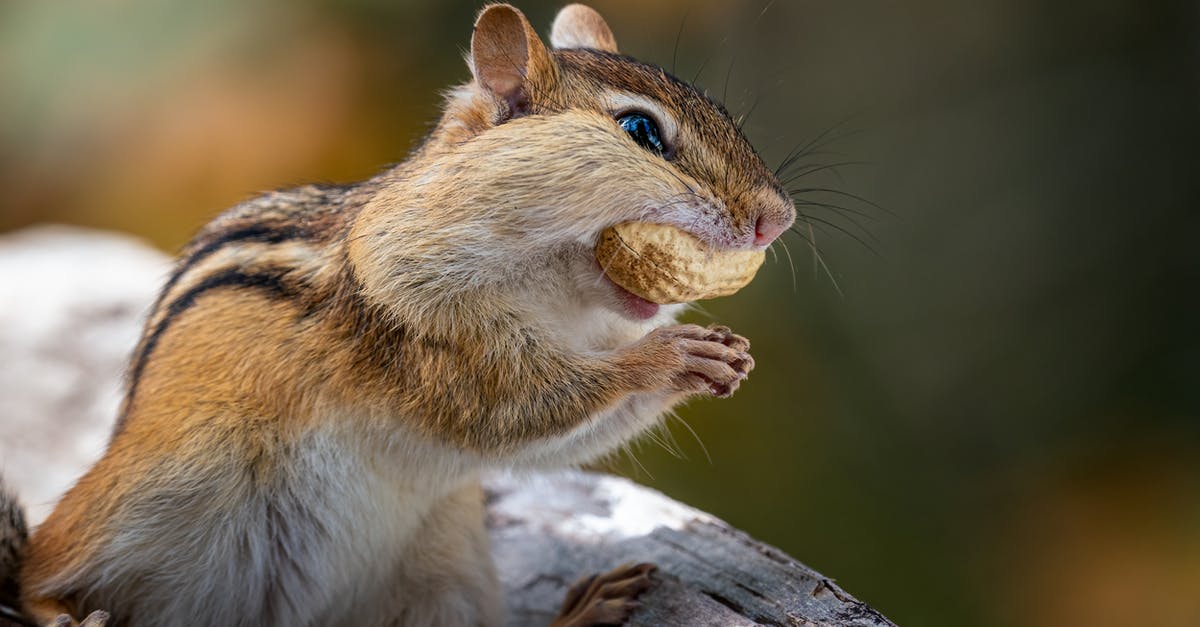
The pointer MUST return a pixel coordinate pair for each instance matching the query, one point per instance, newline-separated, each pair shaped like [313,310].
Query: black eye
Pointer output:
[643,130]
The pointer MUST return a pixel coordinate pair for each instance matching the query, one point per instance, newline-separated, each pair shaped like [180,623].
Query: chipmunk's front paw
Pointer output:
[711,360]
[606,599]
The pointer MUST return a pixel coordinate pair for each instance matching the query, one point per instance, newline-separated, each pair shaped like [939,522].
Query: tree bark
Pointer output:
[550,529]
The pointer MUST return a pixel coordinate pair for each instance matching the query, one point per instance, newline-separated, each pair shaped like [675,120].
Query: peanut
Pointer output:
[664,264]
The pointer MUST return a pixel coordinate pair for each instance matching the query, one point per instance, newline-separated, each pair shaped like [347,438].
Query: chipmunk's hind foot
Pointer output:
[605,599]
[95,619]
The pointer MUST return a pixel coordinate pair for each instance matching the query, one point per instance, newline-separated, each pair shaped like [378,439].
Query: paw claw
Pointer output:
[95,619]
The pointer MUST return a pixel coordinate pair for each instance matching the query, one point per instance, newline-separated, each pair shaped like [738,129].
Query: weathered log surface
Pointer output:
[548,530]
[71,304]
[70,308]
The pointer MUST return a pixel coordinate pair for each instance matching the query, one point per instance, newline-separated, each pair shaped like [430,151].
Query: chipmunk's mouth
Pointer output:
[632,305]
[637,307]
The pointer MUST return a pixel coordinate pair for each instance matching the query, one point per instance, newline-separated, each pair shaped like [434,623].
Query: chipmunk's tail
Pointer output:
[13,536]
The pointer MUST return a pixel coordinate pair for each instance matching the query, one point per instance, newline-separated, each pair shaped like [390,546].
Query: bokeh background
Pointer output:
[979,405]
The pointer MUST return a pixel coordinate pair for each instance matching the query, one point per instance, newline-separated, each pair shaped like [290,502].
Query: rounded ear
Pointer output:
[579,26]
[508,59]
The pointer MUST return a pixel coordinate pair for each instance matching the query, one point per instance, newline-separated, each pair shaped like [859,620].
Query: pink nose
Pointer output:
[767,228]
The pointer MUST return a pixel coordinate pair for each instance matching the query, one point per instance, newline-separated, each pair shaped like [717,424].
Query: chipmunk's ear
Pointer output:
[508,59]
[579,26]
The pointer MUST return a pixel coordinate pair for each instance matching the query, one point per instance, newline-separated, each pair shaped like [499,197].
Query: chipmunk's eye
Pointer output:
[643,130]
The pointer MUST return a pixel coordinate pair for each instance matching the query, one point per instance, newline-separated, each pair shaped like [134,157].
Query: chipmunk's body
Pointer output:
[329,369]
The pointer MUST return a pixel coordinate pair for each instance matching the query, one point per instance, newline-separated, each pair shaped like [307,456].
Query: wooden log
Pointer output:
[71,303]
[550,529]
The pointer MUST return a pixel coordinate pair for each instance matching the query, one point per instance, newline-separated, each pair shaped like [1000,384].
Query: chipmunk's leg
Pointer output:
[447,576]
[504,401]
[606,599]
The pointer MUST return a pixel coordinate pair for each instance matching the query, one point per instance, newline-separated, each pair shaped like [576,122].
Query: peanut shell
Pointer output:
[664,264]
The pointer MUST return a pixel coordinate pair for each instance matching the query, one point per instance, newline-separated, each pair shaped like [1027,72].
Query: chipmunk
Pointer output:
[329,369]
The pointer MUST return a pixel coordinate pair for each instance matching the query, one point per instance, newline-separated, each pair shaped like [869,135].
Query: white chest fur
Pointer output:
[319,542]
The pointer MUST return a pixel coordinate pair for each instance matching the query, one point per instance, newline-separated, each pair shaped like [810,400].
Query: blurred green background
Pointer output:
[993,418]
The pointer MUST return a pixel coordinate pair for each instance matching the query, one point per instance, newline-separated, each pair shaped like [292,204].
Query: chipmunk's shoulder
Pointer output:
[309,212]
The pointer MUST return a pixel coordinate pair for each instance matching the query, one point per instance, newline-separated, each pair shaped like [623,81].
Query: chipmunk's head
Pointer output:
[554,145]
[611,139]
[659,149]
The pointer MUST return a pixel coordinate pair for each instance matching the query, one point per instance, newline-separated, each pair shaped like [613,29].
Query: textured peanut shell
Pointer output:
[666,265]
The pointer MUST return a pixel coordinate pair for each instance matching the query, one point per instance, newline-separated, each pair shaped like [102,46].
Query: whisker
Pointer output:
[791,264]
[826,190]
[842,212]
[695,436]
[825,138]
[787,178]
[818,258]
[706,314]
[762,13]
[821,259]
[741,121]
[664,431]
[629,451]
[846,232]
[803,149]
[795,230]
[678,36]
[859,225]
[725,89]
[659,440]
[838,209]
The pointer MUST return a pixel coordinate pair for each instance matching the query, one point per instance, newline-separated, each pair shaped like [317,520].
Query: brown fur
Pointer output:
[401,308]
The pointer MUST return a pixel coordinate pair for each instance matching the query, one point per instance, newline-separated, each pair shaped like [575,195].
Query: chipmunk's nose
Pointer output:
[770,225]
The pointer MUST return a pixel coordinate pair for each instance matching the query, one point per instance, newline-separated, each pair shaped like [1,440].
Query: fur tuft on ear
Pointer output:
[579,26]
[508,59]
